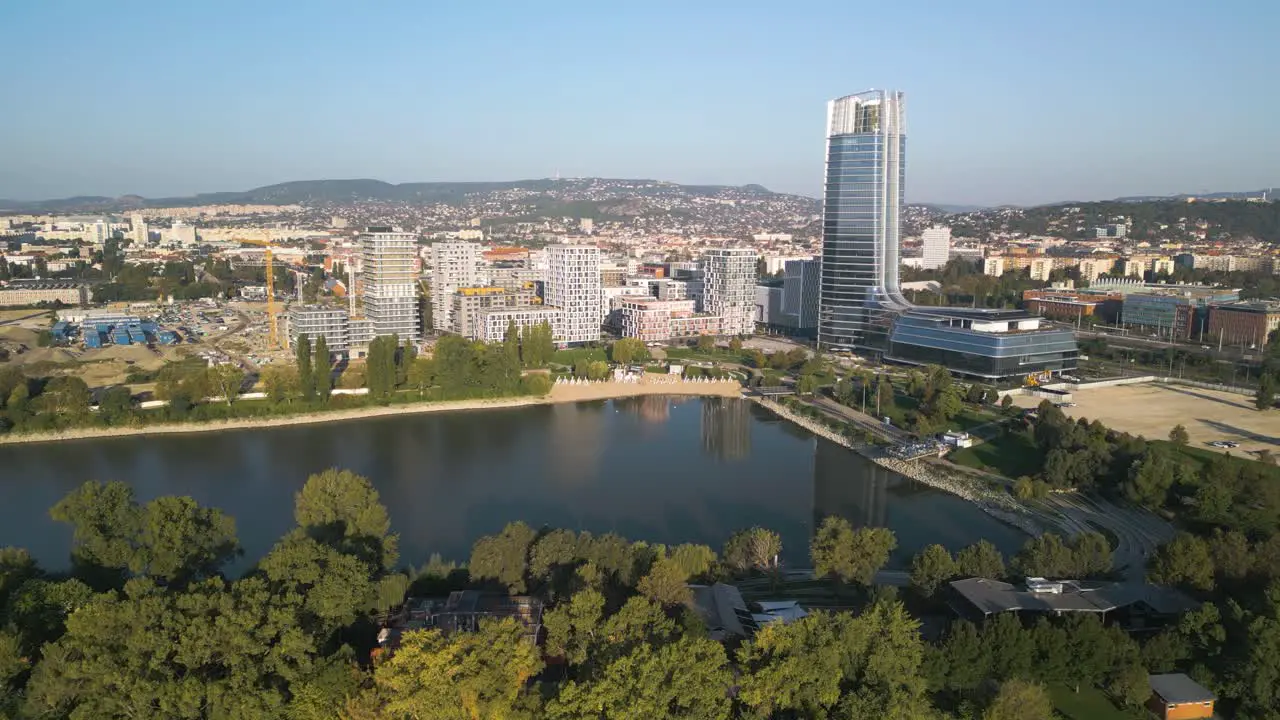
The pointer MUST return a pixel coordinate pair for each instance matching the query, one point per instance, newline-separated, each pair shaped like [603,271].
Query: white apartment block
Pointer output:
[454,265]
[138,228]
[314,321]
[390,283]
[1092,268]
[1041,268]
[652,320]
[937,246]
[1132,267]
[493,323]
[573,286]
[993,266]
[729,288]
[1162,265]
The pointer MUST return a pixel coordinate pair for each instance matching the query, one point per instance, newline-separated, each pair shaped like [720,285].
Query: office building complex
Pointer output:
[729,288]
[573,286]
[861,213]
[34,292]
[801,288]
[937,246]
[990,344]
[1174,312]
[454,265]
[390,283]
[1248,323]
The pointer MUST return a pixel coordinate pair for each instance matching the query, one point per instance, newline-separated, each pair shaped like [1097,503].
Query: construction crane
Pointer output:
[271,286]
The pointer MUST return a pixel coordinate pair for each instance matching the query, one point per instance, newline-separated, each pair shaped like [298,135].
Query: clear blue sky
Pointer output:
[1008,102]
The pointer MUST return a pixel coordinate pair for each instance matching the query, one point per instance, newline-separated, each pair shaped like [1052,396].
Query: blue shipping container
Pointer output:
[93,339]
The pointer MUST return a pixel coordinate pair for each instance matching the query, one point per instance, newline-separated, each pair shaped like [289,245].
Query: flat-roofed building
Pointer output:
[653,320]
[315,320]
[1175,696]
[34,292]
[1247,322]
[1174,312]
[989,344]
[470,303]
[493,323]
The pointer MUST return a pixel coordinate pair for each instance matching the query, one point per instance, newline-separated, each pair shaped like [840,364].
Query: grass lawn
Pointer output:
[569,356]
[970,418]
[1088,704]
[1201,457]
[1010,455]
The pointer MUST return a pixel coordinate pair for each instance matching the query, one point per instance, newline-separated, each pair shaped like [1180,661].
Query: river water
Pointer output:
[660,469]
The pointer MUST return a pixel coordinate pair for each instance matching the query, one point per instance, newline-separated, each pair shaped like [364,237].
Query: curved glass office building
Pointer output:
[861,213]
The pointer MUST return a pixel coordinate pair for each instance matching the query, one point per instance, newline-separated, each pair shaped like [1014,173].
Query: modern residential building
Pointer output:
[988,344]
[34,292]
[315,320]
[993,266]
[1127,603]
[138,229]
[470,303]
[1133,267]
[936,241]
[454,265]
[1041,269]
[1092,268]
[861,215]
[1244,323]
[1162,266]
[573,286]
[390,283]
[729,290]
[653,320]
[801,290]
[182,235]
[495,321]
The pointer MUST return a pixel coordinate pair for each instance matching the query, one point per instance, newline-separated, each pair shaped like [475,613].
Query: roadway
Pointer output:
[1137,533]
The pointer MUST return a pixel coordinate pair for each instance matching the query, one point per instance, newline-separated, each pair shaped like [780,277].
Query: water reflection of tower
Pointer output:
[653,408]
[847,485]
[574,440]
[726,428]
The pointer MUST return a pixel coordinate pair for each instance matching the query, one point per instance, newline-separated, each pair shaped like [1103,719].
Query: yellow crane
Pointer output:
[271,286]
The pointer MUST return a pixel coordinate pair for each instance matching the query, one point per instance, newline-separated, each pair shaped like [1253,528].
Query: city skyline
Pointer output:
[235,103]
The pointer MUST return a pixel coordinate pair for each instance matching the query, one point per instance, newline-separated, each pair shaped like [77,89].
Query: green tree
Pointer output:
[1265,398]
[460,677]
[503,557]
[797,668]
[1131,685]
[752,549]
[306,377]
[179,541]
[930,568]
[574,627]
[343,510]
[849,555]
[323,368]
[280,382]
[408,353]
[422,375]
[511,343]
[115,407]
[65,395]
[688,678]
[1178,435]
[1183,561]
[884,394]
[1019,699]
[226,381]
[628,350]
[706,343]
[981,559]
[735,344]
[666,584]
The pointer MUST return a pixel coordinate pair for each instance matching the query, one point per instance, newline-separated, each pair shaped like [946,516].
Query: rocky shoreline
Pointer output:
[995,503]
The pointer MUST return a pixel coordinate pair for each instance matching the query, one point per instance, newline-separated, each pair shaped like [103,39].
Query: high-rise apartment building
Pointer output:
[454,265]
[138,228]
[390,283]
[801,281]
[729,288]
[861,216]
[573,286]
[937,246]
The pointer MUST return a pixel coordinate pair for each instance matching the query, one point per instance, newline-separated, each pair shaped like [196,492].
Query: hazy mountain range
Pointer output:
[340,191]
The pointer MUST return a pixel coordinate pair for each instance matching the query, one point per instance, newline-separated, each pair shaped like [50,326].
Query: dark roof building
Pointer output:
[979,598]
[1177,697]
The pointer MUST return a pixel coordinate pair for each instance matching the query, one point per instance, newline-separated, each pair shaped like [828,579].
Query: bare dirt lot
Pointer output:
[1151,410]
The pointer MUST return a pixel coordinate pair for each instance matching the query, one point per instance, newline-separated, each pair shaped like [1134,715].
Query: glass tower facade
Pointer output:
[861,215]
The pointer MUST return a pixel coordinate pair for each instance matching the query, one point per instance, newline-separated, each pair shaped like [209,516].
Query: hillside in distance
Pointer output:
[319,192]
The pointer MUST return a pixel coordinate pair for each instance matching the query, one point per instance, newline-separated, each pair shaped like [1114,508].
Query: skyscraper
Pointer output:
[936,240]
[573,286]
[861,215]
[729,290]
[390,282]
[138,228]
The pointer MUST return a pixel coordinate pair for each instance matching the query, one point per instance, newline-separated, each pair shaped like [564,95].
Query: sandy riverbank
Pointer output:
[558,394]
